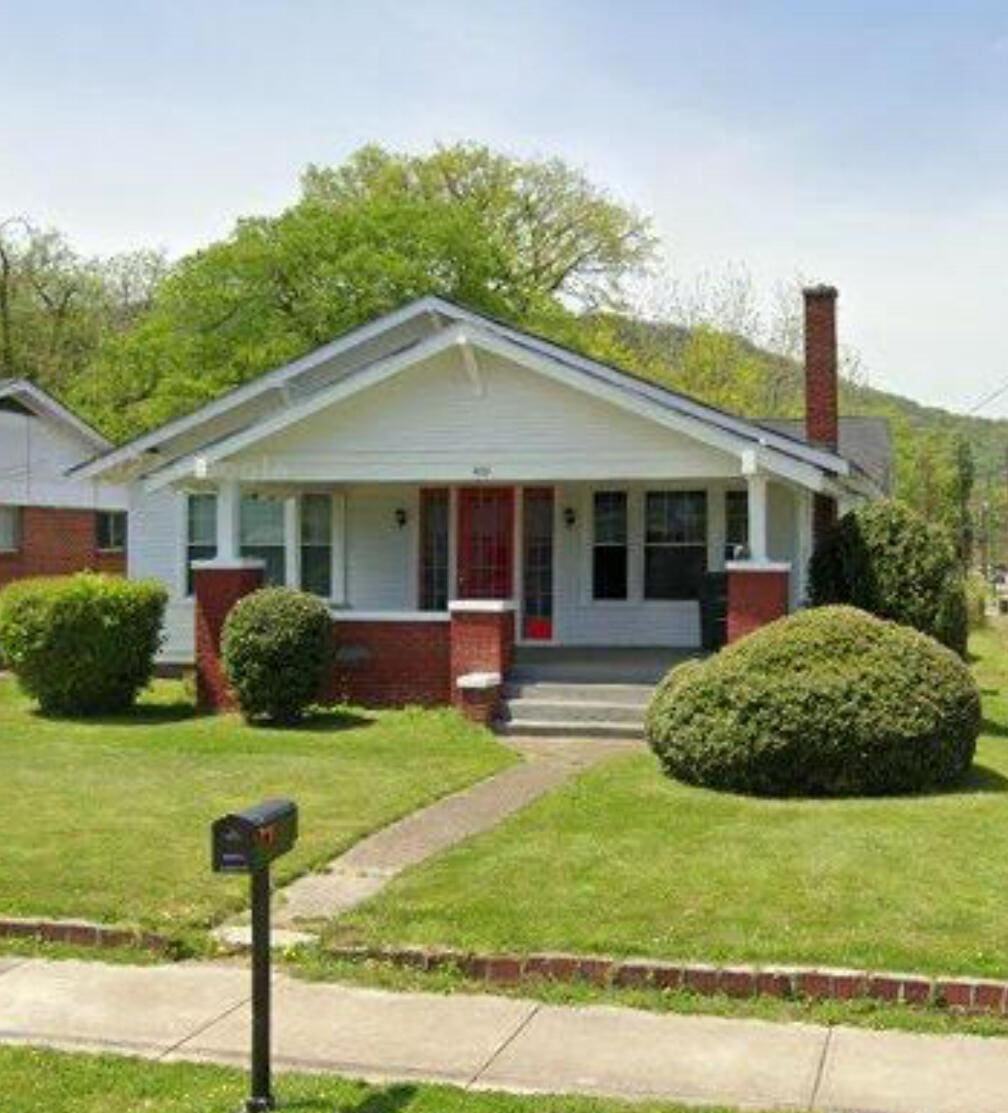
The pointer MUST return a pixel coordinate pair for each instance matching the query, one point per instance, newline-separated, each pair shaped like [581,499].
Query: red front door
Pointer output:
[485,542]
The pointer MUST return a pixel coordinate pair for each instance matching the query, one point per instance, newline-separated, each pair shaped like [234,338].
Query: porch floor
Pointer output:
[595,665]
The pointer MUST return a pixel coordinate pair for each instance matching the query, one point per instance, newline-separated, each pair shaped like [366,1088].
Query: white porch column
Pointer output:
[757,518]
[228,521]
[292,542]
[339,541]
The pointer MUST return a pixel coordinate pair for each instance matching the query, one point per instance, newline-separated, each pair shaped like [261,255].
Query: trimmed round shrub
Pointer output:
[827,702]
[277,646]
[83,644]
[885,558]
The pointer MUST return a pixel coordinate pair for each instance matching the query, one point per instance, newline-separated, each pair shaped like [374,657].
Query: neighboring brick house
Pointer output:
[466,496]
[52,522]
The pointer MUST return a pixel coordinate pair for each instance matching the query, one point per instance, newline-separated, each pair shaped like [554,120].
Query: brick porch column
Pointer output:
[758,593]
[482,649]
[218,585]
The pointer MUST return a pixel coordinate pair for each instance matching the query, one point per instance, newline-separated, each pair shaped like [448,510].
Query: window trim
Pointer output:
[627,546]
[17,517]
[188,586]
[111,515]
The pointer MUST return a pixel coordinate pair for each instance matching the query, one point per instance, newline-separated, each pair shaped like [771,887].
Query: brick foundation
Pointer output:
[57,541]
[389,664]
[482,641]
[217,589]
[757,594]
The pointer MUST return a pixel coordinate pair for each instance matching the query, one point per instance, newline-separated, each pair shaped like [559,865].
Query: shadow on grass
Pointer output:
[320,720]
[391,1099]
[981,778]
[993,728]
[142,715]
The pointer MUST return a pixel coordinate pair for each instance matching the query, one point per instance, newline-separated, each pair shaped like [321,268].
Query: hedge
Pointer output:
[276,648]
[885,558]
[829,701]
[82,644]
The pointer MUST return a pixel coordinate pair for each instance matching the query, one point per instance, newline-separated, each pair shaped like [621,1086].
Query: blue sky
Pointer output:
[864,144]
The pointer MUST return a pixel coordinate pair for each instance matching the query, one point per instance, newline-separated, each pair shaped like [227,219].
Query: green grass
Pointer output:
[109,820]
[36,1081]
[627,862]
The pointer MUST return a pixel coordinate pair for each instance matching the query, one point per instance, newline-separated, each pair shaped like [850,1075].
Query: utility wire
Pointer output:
[988,398]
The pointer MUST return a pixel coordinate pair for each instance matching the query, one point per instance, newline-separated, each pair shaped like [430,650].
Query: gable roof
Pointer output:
[391,343]
[23,396]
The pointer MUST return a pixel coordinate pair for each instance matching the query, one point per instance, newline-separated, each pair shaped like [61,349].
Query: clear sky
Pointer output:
[860,143]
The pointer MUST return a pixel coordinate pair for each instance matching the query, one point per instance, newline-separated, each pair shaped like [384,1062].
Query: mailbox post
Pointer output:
[247,842]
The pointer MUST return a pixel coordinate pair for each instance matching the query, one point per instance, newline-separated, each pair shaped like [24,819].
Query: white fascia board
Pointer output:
[689,406]
[44,405]
[199,464]
[271,380]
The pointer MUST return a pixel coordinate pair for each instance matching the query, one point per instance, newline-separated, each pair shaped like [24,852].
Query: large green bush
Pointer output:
[885,558]
[84,644]
[829,701]
[277,646]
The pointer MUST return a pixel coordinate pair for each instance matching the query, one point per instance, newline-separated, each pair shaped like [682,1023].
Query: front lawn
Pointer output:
[35,1081]
[110,820]
[625,861]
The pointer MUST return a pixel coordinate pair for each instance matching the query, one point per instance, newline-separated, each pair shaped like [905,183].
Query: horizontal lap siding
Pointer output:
[390,664]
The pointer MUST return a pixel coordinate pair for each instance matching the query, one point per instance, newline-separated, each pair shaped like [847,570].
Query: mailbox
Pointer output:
[247,841]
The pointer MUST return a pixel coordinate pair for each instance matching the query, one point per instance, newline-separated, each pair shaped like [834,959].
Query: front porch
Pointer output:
[434,589]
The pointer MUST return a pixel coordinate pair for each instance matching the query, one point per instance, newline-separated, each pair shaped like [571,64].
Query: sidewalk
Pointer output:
[200,1012]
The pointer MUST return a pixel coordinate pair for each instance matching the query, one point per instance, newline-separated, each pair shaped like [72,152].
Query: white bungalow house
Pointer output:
[463,494]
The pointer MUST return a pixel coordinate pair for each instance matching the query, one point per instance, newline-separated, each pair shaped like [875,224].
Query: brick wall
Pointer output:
[755,597]
[57,541]
[389,664]
[217,590]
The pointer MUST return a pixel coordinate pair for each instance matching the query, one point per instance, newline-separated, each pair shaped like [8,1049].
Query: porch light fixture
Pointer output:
[401,517]
[570,517]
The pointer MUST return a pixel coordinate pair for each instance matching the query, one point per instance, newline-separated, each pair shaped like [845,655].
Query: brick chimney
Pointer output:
[821,425]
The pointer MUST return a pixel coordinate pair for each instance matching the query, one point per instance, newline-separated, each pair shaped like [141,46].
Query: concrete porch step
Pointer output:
[562,728]
[633,695]
[568,710]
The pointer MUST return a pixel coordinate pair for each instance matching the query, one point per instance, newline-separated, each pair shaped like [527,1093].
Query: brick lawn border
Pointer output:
[83,933]
[958,994]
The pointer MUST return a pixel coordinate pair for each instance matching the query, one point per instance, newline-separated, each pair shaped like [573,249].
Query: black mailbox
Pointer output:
[247,841]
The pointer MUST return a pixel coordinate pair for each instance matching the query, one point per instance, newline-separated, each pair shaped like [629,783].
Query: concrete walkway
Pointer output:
[200,1012]
[370,864]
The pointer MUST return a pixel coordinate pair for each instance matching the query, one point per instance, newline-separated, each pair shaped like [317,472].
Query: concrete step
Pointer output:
[566,710]
[635,695]
[560,728]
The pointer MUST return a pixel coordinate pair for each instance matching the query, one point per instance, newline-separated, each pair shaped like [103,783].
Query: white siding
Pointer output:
[435,423]
[35,453]
[155,550]
[783,535]
[381,558]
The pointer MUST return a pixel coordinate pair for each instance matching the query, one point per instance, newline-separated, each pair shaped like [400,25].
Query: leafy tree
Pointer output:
[56,307]
[519,239]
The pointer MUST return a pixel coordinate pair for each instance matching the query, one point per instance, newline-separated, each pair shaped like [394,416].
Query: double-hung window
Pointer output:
[262,535]
[10,529]
[675,544]
[316,544]
[435,510]
[736,524]
[609,545]
[110,531]
[201,532]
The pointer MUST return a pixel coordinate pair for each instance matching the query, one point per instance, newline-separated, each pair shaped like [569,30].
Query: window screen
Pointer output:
[201,538]
[316,544]
[10,529]
[675,544]
[609,549]
[262,535]
[110,529]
